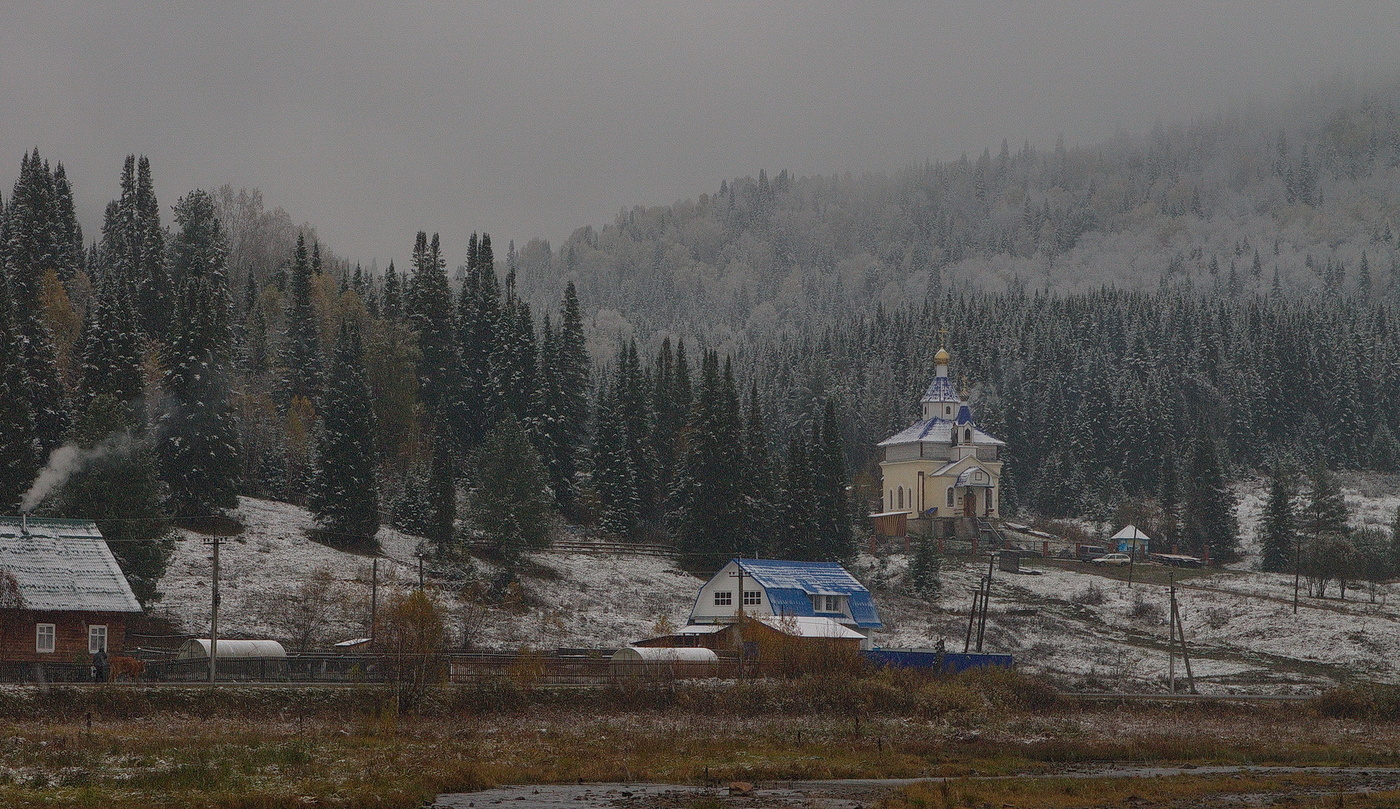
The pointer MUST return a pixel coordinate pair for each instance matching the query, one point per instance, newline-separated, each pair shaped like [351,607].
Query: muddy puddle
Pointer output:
[847,794]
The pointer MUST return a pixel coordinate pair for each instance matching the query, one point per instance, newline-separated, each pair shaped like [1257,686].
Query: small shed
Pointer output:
[632,661]
[198,649]
[1132,539]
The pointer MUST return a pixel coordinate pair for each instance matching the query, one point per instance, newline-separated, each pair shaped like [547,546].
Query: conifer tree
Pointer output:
[759,496]
[836,537]
[1278,528]
[197,439]
[1326,515]
[926,568]
[344,491]
[614,478]
[510,503]
[301,345]
[112,361]
[1208,513]
[145,251]
[479,327]
[797,527]
[34,248]
[1169,500]
[442,497]
[19,444]
[429,312]
[120,490]
[709,498]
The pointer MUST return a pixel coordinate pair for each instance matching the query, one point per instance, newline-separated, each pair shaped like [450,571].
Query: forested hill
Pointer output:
[1236,204]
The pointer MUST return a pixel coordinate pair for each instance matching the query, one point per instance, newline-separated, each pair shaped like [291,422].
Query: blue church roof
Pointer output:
[790,586]
[940,390]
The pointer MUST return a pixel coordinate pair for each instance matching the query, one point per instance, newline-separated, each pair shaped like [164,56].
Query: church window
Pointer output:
[947,410]
[989,501]
[950,497]
[901,497]
[967,436]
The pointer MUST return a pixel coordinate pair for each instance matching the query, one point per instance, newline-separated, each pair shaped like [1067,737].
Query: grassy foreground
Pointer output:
[285,747]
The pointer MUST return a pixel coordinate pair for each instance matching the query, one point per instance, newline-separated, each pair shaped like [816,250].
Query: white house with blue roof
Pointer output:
[782,588]
[943,465]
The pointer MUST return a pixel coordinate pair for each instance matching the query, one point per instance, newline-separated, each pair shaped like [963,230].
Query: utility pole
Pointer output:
[1297,567]
[986,599]
[373,598]
[1176,633]
[216,541]
[739,613]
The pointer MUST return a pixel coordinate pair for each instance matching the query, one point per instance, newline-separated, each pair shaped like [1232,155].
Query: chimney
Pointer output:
[24,524]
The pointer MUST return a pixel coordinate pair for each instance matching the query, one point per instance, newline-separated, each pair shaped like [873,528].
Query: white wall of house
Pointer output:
[726,581]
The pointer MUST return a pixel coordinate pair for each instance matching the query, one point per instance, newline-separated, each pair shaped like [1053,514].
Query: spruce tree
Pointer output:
[836,536]
[429,312]
[478,328]
[112,358]
[19,444]
[1208,514]
[759,494]
[301,345]
[1278,527]
[797,527]
[120,490]
[197,438]
[35,248]
[614,478]
[1326,515]
[926,568]
[709,498]
[442,497]
[510,502]
[344,491]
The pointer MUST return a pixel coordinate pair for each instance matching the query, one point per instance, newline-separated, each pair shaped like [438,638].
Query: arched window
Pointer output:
[989,501]
[950,497]
[947,410]
[901,497]
[967,436]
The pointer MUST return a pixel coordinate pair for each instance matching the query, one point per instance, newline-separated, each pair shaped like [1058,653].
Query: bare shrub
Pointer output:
[1217,617]
[1144,610]
[1090,596]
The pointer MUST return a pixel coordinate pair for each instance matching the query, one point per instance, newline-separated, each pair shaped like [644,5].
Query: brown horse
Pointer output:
[128,667]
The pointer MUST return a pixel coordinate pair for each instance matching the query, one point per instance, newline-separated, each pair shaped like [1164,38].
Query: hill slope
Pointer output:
[1083,626]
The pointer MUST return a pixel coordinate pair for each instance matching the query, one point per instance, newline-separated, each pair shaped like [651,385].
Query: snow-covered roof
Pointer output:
[63,565]
[940,390]
[937,431]
[974,476]
[1130,532]
[790,586]
[802,626]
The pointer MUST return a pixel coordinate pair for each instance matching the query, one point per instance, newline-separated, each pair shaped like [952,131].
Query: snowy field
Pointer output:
[1067,621]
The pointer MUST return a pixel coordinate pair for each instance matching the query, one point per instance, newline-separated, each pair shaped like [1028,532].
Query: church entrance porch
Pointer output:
[970,504]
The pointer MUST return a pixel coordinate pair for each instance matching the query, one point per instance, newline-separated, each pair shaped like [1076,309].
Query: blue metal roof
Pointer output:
[790,586]
[940,390]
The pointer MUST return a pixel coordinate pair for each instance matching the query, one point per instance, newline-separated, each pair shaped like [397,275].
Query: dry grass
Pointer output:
[1083,793]
[158,748]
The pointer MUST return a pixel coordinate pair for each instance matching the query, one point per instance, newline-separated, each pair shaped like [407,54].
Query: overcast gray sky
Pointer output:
[375,120]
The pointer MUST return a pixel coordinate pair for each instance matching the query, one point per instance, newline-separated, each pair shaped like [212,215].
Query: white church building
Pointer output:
[942,465]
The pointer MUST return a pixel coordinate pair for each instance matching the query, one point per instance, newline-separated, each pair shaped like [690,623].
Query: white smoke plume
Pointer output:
[63,463]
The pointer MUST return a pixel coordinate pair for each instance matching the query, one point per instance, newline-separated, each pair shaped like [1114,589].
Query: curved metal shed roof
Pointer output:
[198,648]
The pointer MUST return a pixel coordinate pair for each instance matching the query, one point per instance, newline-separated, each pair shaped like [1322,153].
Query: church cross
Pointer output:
[942,336]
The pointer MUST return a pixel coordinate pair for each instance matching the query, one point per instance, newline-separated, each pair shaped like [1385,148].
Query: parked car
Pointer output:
[1115,559]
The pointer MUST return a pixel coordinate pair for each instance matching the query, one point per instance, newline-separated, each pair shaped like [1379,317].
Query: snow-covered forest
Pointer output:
[1136,318]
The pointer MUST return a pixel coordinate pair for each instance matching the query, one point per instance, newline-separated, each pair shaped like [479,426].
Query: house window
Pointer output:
[43,637]
[97,639]
[752,597]
[724,598]
[825,603]
[950,497]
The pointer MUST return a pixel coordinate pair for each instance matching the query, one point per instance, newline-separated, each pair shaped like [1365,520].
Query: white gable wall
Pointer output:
[706,611]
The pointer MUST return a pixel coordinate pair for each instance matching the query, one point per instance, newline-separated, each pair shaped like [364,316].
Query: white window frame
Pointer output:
[95,631]
[753,598]
[42,633]
[724,598]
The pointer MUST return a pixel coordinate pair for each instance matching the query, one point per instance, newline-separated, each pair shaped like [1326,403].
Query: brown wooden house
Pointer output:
[62,596]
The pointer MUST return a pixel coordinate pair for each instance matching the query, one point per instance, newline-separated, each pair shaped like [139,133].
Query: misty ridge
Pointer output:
[1232,204]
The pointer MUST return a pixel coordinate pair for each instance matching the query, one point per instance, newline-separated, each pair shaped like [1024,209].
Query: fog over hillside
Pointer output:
[1290,197]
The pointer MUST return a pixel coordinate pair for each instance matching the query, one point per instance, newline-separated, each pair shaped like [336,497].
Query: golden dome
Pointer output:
[942,357]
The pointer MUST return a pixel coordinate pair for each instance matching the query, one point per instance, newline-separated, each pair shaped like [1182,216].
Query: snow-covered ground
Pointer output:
[1066,621]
